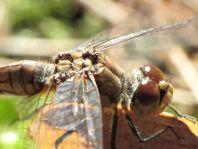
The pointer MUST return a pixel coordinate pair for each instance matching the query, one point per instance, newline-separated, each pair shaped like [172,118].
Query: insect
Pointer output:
[70,86]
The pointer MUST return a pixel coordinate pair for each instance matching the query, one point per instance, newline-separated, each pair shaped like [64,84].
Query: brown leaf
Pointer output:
[186,130]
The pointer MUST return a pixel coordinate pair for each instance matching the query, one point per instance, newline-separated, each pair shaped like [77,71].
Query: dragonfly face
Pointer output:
[152,93]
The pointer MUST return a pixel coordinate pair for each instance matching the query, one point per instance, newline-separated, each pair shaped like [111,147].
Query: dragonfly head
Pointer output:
[151,92]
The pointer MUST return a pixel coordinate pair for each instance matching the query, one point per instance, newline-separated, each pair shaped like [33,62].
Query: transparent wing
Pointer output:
[27,106]
[109,38]
[75,106]
[130,36]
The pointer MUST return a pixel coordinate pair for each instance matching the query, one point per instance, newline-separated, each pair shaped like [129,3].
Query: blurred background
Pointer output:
[39,29]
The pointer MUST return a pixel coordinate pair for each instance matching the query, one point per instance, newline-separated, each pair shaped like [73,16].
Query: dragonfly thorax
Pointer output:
[69,64]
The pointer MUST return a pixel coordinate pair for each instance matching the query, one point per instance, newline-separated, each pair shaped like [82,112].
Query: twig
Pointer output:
[34,47]
[186,69]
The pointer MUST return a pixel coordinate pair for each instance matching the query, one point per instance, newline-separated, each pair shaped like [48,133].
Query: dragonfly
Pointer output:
[66,92]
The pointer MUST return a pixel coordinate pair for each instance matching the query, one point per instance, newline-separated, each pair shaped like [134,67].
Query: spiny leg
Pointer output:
[62,138]
[186,116]
[134,129]
[114,129]
[115,114]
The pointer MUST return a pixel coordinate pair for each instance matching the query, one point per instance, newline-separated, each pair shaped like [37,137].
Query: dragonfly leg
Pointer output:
[62,138]
[114,130]
[134,129]
[186,116]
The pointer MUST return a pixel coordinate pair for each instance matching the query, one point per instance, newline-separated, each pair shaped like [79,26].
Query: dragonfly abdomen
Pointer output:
[25,77]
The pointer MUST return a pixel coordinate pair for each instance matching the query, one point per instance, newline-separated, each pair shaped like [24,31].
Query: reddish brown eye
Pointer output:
[147,94]
[153,72]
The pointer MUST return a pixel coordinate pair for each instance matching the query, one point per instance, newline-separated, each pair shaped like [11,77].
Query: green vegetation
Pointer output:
[53,19]
[9,137]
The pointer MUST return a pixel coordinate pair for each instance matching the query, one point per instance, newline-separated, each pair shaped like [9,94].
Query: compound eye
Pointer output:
[153,72]
[147,94]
